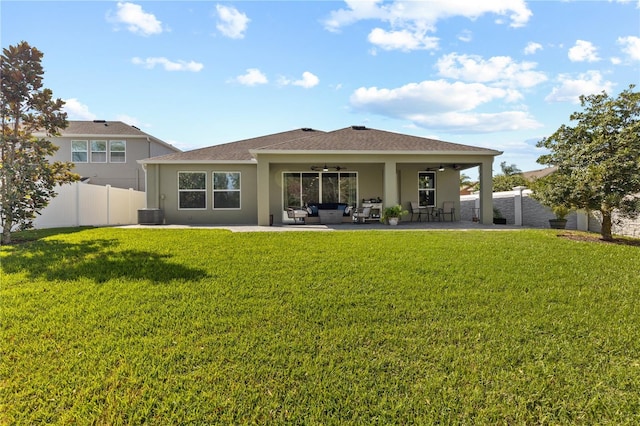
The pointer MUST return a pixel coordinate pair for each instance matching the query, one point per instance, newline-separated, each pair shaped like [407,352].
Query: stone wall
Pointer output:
[619,226]
[519,208]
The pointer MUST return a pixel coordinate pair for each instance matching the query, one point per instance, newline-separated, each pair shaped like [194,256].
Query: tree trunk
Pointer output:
[605,230]
[6,234]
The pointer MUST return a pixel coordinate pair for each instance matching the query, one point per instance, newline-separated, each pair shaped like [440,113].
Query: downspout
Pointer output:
[146,190]
[148,156]
[157,177]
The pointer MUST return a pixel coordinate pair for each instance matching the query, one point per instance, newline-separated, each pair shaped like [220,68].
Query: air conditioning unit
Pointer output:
[150,216]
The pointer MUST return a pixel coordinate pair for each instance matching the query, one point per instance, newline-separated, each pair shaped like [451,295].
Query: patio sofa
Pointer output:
[328,213]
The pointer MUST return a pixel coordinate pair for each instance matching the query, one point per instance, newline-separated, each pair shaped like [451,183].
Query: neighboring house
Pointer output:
[253,181]
[540,173]
[469,189]
[107,152]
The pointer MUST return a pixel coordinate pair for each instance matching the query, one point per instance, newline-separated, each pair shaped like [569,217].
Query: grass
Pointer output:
[132,326]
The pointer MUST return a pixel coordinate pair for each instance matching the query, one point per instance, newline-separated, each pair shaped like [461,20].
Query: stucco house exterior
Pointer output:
[253,181]
[107,152]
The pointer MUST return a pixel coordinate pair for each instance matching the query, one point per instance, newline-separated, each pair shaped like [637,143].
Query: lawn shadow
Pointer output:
[98,260]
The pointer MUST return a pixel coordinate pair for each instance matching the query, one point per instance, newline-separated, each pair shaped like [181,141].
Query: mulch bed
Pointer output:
[597,238]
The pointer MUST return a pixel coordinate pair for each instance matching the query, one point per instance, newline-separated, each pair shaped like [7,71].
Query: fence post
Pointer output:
[108,204]
[582,220]
[130,205]
[517,204]
[77,209]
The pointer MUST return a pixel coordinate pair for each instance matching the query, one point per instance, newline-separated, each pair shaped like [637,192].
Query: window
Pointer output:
[192,190]
[117,151]
[98,151]
[427,189]
[226,190]
[79,151]
[319,187]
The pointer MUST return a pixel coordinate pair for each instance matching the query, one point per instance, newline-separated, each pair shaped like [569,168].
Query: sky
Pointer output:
[499,74]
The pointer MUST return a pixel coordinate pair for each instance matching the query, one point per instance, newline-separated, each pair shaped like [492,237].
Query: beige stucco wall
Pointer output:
[370,169]
[163,194]
[120,175]
[447,185]
[261,199]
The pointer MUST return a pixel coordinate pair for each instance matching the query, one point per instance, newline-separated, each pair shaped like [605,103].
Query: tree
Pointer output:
[598,159]
[27,178]
[510,177]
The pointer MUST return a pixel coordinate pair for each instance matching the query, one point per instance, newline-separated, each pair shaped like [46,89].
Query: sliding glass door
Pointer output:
[301,188]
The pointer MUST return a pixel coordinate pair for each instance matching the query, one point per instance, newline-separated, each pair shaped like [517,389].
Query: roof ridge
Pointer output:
[304,129]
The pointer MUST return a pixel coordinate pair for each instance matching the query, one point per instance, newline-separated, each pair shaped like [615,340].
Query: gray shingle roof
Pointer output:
[359,138]
[239,151]
[107,129]
[350,139]
[101,127]
[537,174]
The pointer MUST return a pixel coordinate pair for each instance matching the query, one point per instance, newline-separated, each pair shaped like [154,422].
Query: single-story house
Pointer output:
[254,181]
[107,152]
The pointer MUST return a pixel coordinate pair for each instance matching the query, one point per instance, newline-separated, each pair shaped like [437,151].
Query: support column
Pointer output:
[390,197]
[262,186]
[486,191]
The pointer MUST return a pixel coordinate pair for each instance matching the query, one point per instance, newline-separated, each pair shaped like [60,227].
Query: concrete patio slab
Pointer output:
[402,226]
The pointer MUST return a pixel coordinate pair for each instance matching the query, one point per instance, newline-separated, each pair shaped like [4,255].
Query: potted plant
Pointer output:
[392,214]
[561,212]
[497,217]
[551,191]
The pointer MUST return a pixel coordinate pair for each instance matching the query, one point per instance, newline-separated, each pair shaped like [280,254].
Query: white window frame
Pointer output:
[111,151]
[205,190]
[426,190]
[214,190]
[74,151]
[91,154]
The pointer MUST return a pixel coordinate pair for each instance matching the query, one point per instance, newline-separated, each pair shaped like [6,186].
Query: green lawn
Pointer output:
[130,326]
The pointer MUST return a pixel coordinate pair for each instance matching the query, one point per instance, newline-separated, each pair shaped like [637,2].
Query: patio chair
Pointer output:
[299,215]
[361,214]
[447,209]
[416,209]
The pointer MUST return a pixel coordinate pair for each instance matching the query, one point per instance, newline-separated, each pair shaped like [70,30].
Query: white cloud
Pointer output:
[404,40]
[308,80]
[465,36]
[252,77]
[502,71]
[232,23]
[583,51]
[631,46]
[457,122]
[454,106]
[168,65]
[432,96]
[137,20]
[423,16]
[570,88]
[77,110]
[532,48]
[443,105]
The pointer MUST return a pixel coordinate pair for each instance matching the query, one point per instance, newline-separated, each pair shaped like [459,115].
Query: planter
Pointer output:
[499,220]
[557,223]
[393,221]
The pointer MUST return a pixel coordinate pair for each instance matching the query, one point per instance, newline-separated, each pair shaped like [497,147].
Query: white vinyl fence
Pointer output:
[81,204]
